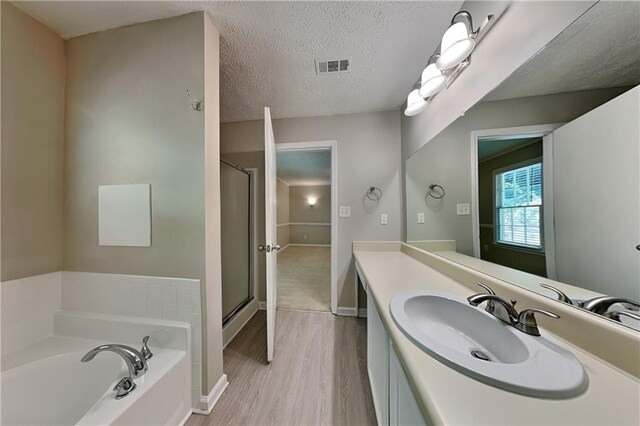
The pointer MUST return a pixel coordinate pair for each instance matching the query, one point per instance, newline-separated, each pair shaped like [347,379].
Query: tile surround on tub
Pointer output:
[174,299]
[28,305]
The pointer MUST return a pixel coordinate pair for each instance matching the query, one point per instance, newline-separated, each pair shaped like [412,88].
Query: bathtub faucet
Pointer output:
[135,360]
[136,363]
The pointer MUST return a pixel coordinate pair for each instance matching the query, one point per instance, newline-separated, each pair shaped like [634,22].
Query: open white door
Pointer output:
[271,247]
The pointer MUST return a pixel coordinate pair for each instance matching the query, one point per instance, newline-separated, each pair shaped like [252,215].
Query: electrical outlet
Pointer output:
[463,209]
[345,211]
[420,217]
[384,219]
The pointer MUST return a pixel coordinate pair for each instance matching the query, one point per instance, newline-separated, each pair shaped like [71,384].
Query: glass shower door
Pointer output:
[235,202]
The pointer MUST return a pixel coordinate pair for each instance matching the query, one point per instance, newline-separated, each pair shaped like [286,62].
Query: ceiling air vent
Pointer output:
[336,66]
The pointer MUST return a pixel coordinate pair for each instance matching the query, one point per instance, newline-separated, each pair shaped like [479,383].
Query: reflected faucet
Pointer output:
[561,296]
[600,305]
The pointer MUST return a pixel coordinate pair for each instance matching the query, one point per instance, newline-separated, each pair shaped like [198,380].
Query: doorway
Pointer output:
[306,226]
[512,191]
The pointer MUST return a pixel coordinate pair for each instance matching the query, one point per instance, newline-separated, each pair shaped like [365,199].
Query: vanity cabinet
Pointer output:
[378,361]
[403,405]
[393,398]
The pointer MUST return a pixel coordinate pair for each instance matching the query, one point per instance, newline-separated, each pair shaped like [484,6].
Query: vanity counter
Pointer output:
[449,397]
[524,279]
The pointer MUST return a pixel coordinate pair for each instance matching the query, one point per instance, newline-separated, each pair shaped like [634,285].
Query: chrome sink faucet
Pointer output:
[136,363]
[506,312]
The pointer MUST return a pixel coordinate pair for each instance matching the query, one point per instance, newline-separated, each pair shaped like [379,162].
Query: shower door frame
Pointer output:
[252,299]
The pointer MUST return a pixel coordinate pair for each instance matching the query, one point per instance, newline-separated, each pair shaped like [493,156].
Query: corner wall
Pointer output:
[212,300]
[33,85]
[129,121]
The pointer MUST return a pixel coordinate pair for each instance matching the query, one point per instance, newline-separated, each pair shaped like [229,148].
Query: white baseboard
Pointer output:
[262,306]
[346,312]
[186,418]
[362,312]
[309,245]
[209,401]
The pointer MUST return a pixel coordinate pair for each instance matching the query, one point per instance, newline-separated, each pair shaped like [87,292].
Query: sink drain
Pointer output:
[480,355]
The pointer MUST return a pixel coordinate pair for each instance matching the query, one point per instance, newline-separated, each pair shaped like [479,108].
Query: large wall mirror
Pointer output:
[539,183]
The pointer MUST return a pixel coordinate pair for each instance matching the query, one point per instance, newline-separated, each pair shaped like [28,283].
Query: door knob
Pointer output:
[261,248]
[276,247]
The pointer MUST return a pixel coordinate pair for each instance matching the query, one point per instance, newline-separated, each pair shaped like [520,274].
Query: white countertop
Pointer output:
[450,397]
[523,279]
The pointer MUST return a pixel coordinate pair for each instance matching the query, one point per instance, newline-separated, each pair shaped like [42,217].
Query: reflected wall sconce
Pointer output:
[454,56]
[312,201]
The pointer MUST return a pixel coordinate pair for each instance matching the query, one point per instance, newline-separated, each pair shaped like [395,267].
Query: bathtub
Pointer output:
[46,384]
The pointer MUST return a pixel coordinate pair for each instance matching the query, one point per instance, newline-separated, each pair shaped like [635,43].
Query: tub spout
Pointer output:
[136,362]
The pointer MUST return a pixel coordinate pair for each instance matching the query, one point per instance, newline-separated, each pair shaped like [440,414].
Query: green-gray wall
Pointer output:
[33,84]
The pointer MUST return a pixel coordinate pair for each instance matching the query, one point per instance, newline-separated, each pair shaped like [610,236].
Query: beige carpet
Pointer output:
[304,278]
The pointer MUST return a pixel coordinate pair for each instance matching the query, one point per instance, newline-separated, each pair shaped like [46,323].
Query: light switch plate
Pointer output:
[345,211]
[463,209]
[420,217]
[384,219]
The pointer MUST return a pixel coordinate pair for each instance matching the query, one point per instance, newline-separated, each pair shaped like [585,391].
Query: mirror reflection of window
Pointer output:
[518,210]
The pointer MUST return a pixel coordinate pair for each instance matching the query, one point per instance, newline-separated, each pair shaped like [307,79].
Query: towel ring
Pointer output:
[432,190]
[374,193]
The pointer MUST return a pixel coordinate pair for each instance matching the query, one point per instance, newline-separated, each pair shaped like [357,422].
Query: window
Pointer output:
[518,213]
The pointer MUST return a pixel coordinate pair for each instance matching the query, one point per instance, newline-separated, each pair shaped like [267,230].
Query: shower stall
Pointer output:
[236,187]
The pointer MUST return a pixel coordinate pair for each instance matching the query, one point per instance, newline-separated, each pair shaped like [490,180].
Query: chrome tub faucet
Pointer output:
[136,363]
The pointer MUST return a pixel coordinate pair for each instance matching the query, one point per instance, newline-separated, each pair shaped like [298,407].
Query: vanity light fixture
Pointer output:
[415,103]
[457,42]
[312,201]
[432,80]
[455,56]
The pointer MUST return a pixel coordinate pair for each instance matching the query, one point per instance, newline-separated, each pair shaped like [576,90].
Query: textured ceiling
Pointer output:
[600,49]
[268,48]
[305,167]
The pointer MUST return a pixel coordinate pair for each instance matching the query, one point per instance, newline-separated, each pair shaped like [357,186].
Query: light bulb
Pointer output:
[415,104]
[432,81]
[457,44]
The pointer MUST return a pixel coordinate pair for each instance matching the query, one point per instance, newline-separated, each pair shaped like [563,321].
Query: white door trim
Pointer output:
[544,131]
[331,145]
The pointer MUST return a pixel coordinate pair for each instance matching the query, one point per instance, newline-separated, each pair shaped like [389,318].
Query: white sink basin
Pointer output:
[472,341]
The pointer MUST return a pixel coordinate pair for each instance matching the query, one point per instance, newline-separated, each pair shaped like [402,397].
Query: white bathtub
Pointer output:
[46,384]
